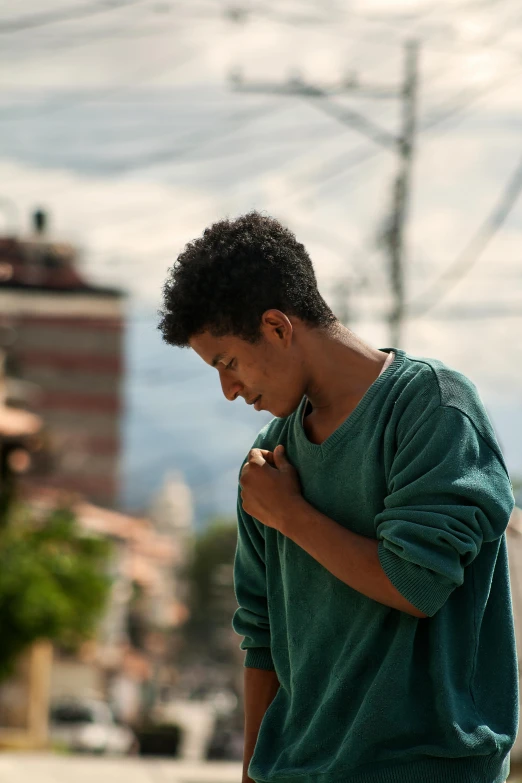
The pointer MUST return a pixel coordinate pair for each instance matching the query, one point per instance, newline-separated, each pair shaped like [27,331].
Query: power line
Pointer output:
[493,310]
[353,119]
[368,153]
[198,143]
[362,154]
[164,156]
[131,31]
[339,169]
[403,145]
[493,223]
[65,44]
[474,249]
[136,78]
[355,160]
[461,107]
[240,14]
[340,166]
[81,12]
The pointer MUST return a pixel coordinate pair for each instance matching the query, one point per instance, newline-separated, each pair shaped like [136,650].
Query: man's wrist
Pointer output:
[290,513]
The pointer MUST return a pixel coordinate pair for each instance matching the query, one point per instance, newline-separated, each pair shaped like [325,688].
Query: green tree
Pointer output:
[212,600]
[53,581]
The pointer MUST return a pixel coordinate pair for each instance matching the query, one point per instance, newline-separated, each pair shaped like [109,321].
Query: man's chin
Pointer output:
[282,412]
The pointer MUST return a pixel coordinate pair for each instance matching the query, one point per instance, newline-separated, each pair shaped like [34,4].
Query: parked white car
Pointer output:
[88,726]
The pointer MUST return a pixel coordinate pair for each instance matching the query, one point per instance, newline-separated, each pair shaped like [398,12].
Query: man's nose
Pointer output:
[231,388]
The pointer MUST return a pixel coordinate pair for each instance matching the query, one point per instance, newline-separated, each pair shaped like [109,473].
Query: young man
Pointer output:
[371,568]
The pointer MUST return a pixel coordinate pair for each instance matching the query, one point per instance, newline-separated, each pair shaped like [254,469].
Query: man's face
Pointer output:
[264,371]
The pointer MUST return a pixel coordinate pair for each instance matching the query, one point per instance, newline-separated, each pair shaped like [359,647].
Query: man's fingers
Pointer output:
[268,456]
[260,456]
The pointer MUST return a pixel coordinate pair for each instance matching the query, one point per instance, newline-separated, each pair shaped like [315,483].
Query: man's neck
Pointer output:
[342,367]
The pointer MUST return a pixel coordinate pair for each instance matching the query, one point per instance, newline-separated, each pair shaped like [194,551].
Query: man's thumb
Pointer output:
[280,457]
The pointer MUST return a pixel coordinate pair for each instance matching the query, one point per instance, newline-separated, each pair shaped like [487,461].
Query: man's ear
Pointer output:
[279,330]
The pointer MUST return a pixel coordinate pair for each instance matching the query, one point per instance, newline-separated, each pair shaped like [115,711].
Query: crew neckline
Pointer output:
[320,449]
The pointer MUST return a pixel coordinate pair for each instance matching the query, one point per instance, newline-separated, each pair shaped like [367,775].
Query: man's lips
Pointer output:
[255,401]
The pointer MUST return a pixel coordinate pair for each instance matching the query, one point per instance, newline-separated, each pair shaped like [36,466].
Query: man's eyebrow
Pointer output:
[218,358]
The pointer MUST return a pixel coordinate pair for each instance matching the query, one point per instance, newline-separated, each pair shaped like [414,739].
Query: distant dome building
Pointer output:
[171,513]
[172,509]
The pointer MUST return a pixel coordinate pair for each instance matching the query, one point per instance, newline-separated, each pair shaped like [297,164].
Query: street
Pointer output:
[46,768]
[26,768]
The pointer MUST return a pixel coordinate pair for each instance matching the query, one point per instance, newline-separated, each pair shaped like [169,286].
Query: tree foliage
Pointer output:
[53,582]
[209,573]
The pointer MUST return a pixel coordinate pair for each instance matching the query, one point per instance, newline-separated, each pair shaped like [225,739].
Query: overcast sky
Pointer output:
[121,119]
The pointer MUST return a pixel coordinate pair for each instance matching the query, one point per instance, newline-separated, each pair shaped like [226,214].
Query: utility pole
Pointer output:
[403,145]
[395,234]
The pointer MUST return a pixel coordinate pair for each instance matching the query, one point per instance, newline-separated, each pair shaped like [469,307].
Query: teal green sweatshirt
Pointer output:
[371,694]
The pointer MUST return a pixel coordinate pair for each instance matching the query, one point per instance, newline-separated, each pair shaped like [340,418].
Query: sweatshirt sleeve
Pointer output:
[251,617]
[448,493]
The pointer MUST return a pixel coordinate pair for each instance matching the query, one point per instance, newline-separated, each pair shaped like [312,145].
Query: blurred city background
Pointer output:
[386,135]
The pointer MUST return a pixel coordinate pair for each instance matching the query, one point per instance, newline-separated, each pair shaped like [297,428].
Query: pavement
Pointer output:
[48,768]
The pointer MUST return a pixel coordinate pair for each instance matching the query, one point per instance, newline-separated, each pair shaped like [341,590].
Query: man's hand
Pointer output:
[269,486]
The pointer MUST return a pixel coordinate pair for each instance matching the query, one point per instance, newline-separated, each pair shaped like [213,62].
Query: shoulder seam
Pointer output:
[492,447]
[423,361]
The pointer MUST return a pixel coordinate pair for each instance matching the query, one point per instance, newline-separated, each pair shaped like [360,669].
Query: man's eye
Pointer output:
[229,365]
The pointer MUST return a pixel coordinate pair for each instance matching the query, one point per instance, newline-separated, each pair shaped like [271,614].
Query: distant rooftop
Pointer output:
[37,264]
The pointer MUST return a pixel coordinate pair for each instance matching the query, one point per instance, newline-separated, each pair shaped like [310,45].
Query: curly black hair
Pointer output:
[226,279]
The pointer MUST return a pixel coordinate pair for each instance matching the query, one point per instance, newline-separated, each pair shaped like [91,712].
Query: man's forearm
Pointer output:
[260,687]
[350,557]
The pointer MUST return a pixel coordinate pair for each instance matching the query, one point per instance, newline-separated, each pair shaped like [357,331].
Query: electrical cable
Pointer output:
[366,154]
[137,78]
[164,156]
[351,118]
[494,310]
[462,107]
[51,17]
[179,156]
[161,156]
[473,250]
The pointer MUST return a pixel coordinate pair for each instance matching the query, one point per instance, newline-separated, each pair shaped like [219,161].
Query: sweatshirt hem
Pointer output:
[476,769]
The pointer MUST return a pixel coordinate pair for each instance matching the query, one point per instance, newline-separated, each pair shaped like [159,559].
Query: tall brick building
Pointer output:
[64,339]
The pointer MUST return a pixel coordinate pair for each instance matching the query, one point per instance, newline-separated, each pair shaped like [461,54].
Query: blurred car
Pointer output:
[89,726]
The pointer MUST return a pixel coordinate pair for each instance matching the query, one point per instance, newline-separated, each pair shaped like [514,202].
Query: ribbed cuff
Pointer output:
[259,658]
[418,585]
